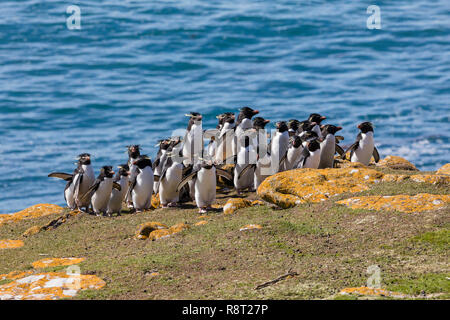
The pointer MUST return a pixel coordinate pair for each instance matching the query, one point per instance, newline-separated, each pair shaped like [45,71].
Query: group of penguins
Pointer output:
[187,169]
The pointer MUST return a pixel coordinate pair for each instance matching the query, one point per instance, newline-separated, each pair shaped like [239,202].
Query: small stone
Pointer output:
[11,244]
[233,204]
[250,227]
[144,230]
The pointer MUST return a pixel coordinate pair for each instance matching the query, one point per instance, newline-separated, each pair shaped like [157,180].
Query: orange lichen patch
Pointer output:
[203,217]
[233,204]
[430,178]
[31,231]
[49,286]
[10,244]
[398,163]
[13,275]
[404,203]
[394,177]
[56,262]
[445,169]
[216,206]
[144,230]
[289,188]
[159,234]
[250,227]
[154,274]
[366,291]
[36,211]
[257,203]
[178,227]
[156,201]
[200,223]
[349,164]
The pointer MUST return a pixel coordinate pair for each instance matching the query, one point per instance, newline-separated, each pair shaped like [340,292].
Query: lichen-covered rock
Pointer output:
[178,227]
[430,178]
[398,163]
[257,203]
[49,286]
[348,164]
[233,204]
[32,231]
[36,211]
[10,244]
[394,177]
[156,201]
[289,188]
[250,227]
[13,275]
[159,234]
[56,262]
[366,291]
[144,230]
[445,169]
[404,203]
[200,223]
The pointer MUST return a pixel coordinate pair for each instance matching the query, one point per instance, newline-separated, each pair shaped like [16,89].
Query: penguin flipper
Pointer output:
[186,179]
[117,186]
[338,138]
[61,175]
[246,168]
[339,150]
[283,158]
[91,190]
[352,149]
[209,133]
[224,174]
[376,155]
[303,157]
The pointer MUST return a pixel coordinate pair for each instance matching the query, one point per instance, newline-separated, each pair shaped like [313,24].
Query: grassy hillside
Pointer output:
[328,245]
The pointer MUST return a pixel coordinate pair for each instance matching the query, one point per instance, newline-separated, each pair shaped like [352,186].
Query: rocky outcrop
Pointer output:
[445,169]
[396,163]
[289,188]
[233,204]
[403,203]
[36,211]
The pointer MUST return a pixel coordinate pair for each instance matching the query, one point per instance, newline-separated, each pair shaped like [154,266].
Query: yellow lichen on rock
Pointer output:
[366,291]
[13,275]
[56,262]
[398,163]
[404,203]
[430,178]
[156,201]
[36,211]
[257,203]
[10,244]
[250,227]
[233,204]
[200,223]
[445,169]
[289,188]
[144,230]
[31,231]
[178,227]
[394,177]
[159,234]
[49,286]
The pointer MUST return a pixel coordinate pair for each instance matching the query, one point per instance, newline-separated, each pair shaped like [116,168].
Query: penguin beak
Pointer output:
[255,111]
[323,118]
[359,126]
[338,128]
[266,121]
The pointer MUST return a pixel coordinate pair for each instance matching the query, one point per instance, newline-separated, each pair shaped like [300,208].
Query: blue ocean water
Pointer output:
[136,67]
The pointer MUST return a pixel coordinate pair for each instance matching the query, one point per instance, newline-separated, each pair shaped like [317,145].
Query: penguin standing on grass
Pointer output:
[294,152]
[279,146]
[117,196]
[78,183]
[141,184]
[364,148]
[328,146]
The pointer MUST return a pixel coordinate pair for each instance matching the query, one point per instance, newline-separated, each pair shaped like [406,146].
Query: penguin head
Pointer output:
[281,126]
[329,129]
[124,170]
[293,125]
[194,116]
[248,112]
[206,163]
[107,171]
[134,151]
[260,123]
[306,125]
[296,141]
[315,117]
[365,127]
[225,117]
[309,135]
[164,144]
[143,161]
[313,145]
[84,158]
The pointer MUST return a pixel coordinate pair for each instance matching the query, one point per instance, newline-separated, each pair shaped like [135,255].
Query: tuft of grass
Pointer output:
[420,284]
[439,240]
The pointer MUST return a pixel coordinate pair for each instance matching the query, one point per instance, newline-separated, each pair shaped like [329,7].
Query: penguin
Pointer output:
[159,160]
[78,183]
[100,191]
[205,187]
[193,139]
[244,122]
[224,149]
[310,157]
[134,152]
[246,155]
[294,127]
[328,146]
[262,168]
[294,152]
[364,146]
[117,196]
[171,175]
[141,184]
[279,146]
[317,119]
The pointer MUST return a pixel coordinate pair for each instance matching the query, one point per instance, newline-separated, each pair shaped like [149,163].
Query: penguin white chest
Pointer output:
[102,195]
[115,201]
[364,151]
[313,160]
[293,156]
[205,187]
[280,144]
[142,192]
[327,151]
[167,189]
